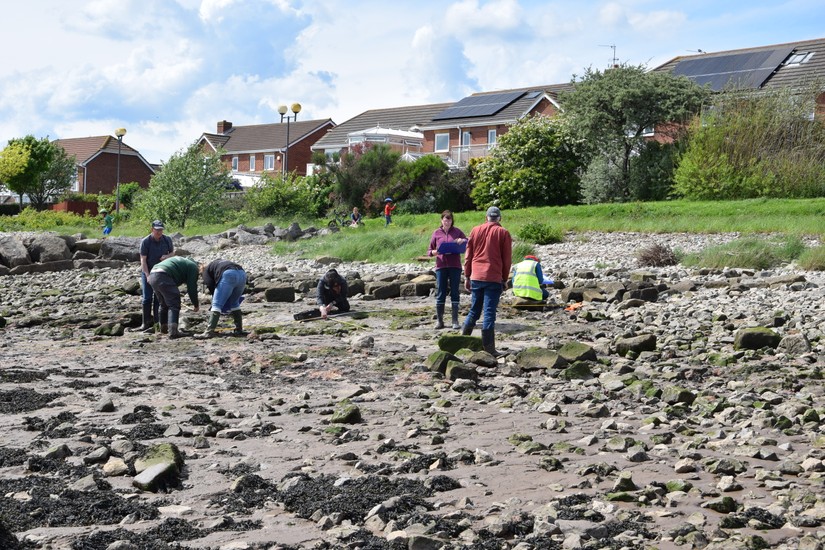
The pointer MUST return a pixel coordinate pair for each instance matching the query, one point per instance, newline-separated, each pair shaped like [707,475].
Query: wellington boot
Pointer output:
[164,329]
[214,317]
[455,326]
[466,330]
[237,317]
[439,316]
[488,342]
[148,322]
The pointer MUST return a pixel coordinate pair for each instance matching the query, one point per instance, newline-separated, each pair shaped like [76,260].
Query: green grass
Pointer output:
[408,236]
[749,253]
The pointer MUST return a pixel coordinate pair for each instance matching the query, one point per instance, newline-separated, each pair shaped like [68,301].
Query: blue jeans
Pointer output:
[483,296]
[447,278]
[228,291]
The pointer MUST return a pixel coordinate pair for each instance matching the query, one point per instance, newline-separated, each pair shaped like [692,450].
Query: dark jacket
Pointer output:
[213,272]
[327,294]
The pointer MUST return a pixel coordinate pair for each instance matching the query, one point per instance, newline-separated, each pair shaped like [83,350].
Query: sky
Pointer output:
[169,70]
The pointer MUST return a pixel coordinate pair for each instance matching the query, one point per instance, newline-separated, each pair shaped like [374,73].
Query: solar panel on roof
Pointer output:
[739,70]
[533,95]
[478,105]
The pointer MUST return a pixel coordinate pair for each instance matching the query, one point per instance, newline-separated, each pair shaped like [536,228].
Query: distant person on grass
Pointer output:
[355,217]
[388,208]
[108,222]
[447,267]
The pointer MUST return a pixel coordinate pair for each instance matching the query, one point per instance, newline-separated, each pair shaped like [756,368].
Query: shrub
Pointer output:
[749,253]
[32,220]
[656,255]
[813,259]
[540,233]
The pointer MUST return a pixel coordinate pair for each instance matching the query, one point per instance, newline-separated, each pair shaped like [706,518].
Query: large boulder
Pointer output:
[121,248]
[13,252]
[756,338]
[46,247]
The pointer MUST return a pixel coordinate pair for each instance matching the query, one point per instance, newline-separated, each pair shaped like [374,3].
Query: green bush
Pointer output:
[46,220]
[540,233]
[290,197]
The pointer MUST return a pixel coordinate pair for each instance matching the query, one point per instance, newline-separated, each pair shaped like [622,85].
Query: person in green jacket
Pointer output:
[165,278]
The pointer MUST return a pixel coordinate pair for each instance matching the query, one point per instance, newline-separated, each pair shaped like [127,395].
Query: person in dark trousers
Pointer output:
[486,271]
[332,294]
[165,279]
[226,282]
[447,268]
[154,248]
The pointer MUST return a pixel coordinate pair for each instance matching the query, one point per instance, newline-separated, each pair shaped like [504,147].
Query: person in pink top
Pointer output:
[447,267]
[486,271]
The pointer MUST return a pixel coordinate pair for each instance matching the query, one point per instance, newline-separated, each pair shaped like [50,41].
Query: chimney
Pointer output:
[224,126]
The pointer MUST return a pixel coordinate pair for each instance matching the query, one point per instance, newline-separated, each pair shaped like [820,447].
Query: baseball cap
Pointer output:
[493,213]
[157,224]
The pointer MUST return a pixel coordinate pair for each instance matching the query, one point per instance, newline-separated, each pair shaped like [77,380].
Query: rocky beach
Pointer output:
[666,407]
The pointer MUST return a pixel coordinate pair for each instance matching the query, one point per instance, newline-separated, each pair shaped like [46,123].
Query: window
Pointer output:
[466,138]
[269,162]
[234,164]
[442,142]
[251,163]
[491,137]
[798,58]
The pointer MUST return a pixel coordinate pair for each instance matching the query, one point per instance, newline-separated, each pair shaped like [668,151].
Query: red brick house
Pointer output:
[456,132]
[251,150]
[97,159]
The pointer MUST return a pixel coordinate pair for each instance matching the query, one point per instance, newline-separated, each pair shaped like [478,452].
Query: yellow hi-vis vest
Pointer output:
[525,281]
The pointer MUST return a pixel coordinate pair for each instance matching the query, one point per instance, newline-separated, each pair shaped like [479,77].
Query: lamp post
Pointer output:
[120,132]
[282,110]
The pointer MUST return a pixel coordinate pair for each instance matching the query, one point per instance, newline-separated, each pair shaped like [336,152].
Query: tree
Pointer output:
[534,164]
[13,160]
[189,186]
[612,110]
[48,172]
[363,174]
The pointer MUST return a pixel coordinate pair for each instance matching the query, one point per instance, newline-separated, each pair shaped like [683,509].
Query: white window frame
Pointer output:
[466,138]
[799,58]
[492,135]
[251,163]
[442,142]
[269,162]
[234,164]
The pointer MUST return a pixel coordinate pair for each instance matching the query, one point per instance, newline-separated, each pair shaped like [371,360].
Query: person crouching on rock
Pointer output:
[226,282]
[332,294]
[165,278]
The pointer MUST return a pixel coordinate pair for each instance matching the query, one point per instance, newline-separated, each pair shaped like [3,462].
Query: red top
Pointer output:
[489,254]
[388,208]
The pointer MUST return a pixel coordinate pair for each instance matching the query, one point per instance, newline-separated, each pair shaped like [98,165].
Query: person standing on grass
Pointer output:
[154,248]
[388,208]
[108,222]
[487,266]
[447,268]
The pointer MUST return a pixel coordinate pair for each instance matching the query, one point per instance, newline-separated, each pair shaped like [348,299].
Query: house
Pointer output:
[793,65]
[97,160]
[456,131]
[276,148]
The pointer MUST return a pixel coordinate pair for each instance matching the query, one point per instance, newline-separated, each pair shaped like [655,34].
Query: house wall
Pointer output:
[101,173]
[300,154]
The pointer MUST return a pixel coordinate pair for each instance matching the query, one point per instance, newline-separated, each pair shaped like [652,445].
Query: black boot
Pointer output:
[237,317]
[456,326]
[439,316]
[148,324]
[488,341]
[174,331]
[466,329]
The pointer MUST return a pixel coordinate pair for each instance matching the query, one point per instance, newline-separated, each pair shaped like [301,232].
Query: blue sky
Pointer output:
[168,70]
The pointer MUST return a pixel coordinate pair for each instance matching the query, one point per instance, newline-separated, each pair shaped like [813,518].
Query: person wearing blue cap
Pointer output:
[388,208]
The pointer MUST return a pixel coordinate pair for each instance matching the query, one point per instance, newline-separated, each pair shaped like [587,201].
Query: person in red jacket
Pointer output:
[388,208]
[487,265]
